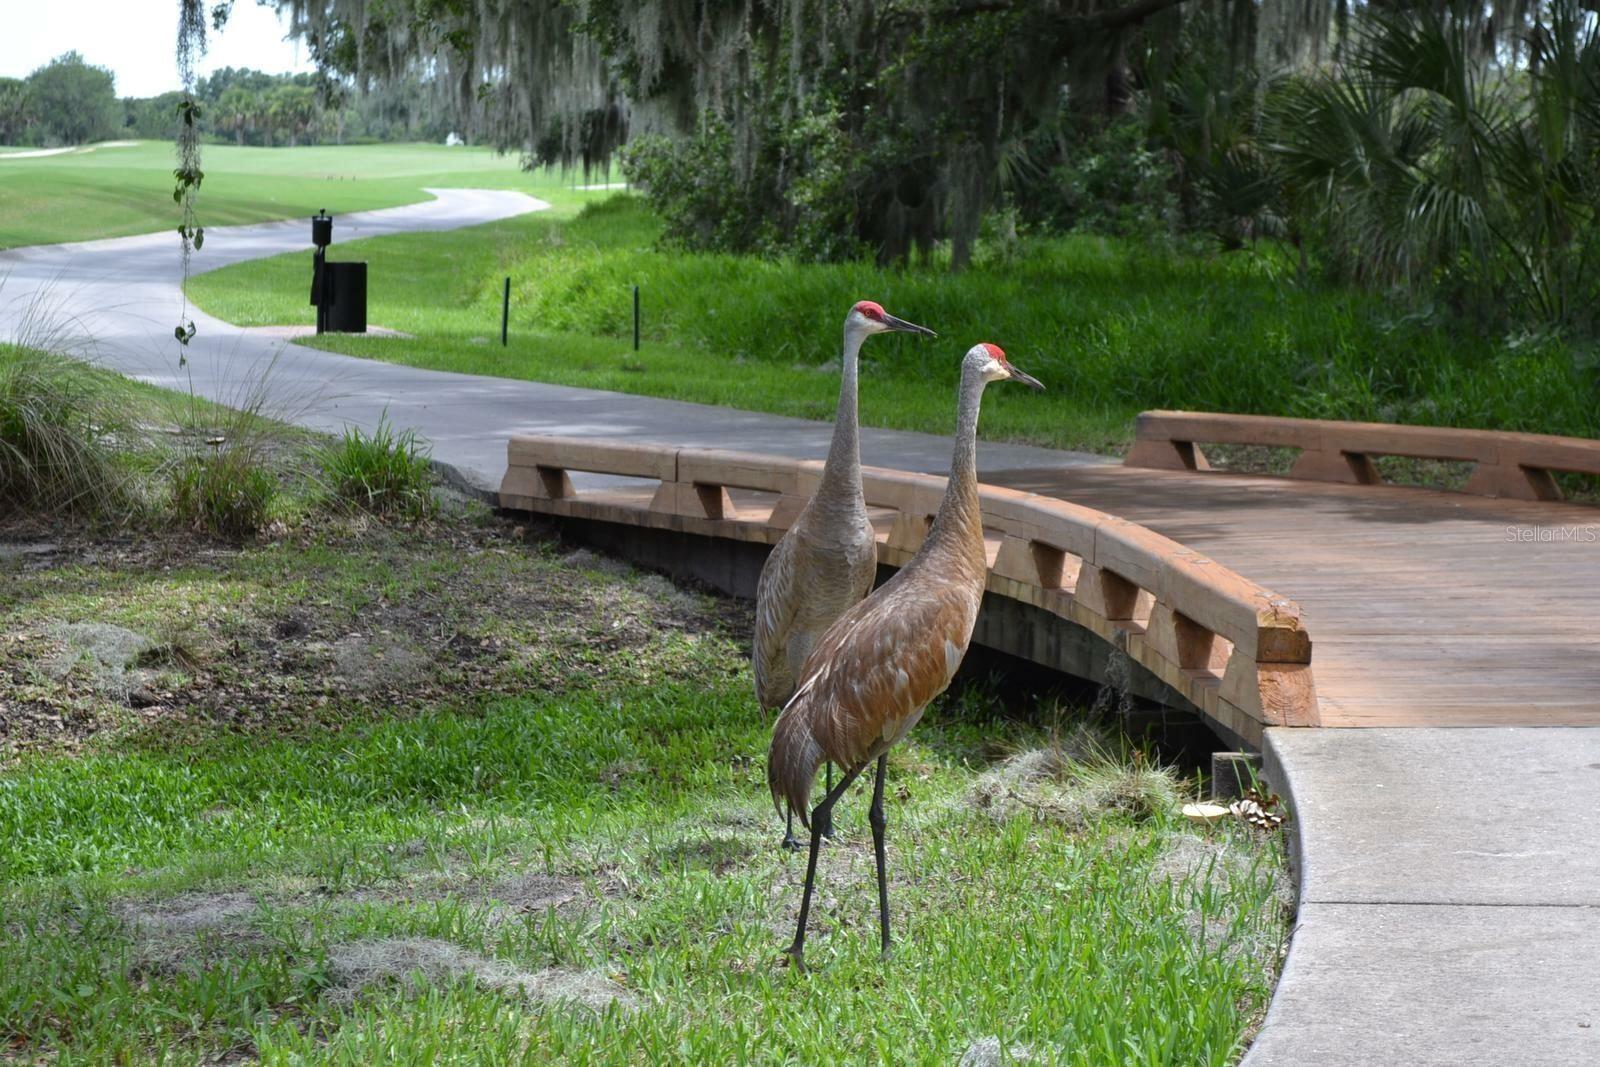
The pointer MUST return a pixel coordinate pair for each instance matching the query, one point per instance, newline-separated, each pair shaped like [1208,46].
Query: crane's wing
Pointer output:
[776,605]
[867,681]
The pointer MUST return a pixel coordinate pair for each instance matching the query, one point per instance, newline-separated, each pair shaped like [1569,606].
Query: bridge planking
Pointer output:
[1425,607]
[1424,611]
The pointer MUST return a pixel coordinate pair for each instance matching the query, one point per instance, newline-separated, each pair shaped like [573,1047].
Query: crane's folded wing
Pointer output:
[874,671]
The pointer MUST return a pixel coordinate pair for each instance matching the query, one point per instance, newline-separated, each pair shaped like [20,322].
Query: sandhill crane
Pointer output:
[827,560]
[875,670]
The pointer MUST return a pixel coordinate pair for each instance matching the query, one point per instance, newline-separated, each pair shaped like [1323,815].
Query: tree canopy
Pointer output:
[65,102]
[836,125]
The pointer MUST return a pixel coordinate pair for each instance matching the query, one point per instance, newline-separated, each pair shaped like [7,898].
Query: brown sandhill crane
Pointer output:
[827,560]
[876,669]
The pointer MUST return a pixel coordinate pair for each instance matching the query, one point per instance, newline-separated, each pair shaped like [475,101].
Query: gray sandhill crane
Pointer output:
[875,670]
[827,560]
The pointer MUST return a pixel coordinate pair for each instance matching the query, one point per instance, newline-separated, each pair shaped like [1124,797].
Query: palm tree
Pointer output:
[1425,156]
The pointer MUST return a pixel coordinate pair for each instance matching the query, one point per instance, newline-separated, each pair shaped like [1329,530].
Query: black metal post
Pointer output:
[636,318]
[322,237]
[322,291]
[505,312]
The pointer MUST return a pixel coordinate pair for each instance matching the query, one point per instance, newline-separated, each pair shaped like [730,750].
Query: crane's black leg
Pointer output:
[793,843]
[818,814]
[875,817]
[790,842]
[827,822]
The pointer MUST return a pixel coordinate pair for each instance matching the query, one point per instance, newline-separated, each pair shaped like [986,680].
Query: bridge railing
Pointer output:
[1237,651]
[1516,465]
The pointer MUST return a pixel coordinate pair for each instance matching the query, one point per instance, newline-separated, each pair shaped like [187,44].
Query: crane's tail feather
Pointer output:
[792,764]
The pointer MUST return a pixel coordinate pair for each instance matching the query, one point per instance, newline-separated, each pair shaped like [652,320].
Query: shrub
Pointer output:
[1113,183]
[385,472]
[60,427]
[227,493]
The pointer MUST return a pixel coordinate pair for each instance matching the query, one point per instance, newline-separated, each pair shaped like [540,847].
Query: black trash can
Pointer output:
[347,297]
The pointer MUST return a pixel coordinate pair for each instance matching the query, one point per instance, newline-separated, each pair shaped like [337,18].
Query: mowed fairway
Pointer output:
[126,188]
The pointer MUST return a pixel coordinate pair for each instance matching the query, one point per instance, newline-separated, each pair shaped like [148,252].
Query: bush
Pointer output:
[60,425]
[804,164]
[227,493]
[1113,183]
[385,472]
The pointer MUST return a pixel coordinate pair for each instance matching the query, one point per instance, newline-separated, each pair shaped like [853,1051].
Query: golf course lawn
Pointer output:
[122,188]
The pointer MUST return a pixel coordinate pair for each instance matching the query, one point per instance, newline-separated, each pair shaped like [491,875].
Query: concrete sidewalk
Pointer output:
[1450,884]
[1449,898]
[116,302]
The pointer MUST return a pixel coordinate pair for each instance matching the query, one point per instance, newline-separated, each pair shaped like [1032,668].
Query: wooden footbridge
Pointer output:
[1447,861]
[1422,607]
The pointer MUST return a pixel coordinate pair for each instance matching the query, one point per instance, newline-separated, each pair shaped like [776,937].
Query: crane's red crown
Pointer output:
[995,351]
[870,310]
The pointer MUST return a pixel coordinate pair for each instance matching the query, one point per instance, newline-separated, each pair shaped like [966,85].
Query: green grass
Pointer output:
[1110,327]
[194,883]
[116,191]
[385,471]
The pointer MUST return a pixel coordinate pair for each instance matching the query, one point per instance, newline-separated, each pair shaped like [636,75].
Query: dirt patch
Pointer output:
[365,662]
[586,559]
[183,933]
[309,629]
[719,853]
[359,964]
[191,912]
[535,891]
[107,651]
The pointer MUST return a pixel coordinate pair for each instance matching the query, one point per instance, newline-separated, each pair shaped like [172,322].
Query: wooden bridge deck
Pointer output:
[1424,608]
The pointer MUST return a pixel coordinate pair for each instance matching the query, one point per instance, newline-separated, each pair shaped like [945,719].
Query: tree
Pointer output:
[152,118]
[1425,160]
[16,113]
[238,109]
[73,102]
[292,110]
[925,108]
[922,97]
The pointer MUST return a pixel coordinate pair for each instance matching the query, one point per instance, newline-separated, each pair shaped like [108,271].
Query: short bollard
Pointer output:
[505,312]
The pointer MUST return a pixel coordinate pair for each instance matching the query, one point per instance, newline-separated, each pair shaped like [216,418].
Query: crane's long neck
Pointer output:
[958,527]
[841,474]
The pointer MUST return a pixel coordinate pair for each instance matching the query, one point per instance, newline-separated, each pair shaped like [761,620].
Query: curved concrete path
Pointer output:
[116,301]
[1450,878]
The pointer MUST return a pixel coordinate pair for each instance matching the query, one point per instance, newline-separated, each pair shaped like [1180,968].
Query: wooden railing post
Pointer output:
[1515,465]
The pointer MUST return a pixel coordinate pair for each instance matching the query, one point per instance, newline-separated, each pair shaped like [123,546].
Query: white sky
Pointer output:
[136,39]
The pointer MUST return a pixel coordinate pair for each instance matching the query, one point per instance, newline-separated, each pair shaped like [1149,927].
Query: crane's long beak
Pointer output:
[1026,379]
[906,327]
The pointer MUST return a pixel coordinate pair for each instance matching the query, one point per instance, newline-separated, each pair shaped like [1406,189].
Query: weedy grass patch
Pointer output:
[64,436]
[385,472]
[1111,326]
[438,792]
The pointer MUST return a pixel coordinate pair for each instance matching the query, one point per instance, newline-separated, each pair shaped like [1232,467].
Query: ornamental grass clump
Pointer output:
[61,432]
[385,472]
